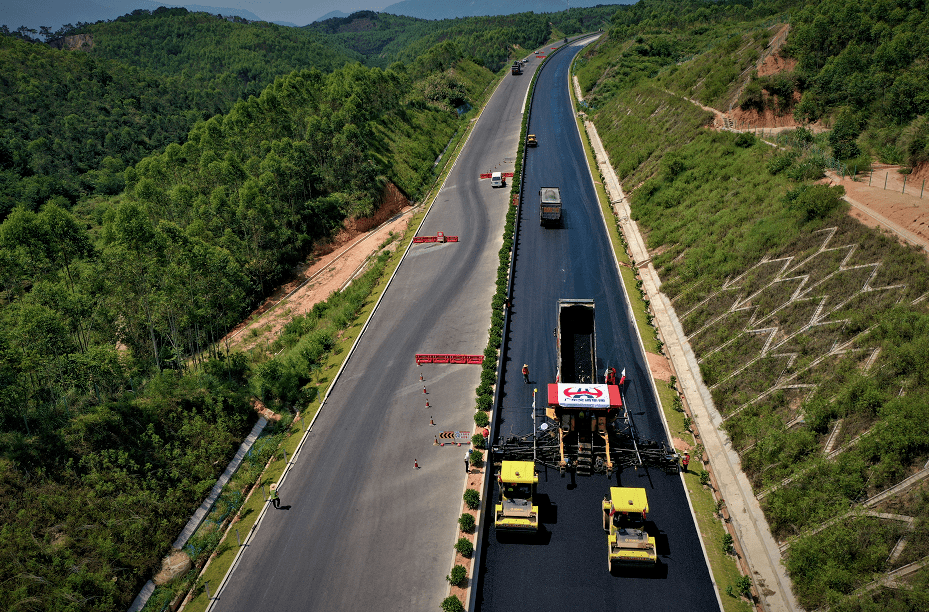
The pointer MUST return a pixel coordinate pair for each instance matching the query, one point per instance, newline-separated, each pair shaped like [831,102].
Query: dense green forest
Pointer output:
[868,65]
[158,182]
[811,330]
[491,41]
[71,123]
[220,60]
[202,232]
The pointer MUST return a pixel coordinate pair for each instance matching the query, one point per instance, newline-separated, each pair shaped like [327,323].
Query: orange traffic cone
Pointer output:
[421,377]
[427,403]
[415,464]
[431,422]
[424,388]
[436,443]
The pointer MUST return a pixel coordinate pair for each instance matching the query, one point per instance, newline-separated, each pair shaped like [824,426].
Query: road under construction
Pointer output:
[564,565]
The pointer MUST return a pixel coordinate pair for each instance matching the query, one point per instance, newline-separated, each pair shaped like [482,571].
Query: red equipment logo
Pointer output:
[592,393]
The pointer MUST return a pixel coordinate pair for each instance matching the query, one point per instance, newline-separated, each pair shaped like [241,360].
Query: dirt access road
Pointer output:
[904,214]
[328,269]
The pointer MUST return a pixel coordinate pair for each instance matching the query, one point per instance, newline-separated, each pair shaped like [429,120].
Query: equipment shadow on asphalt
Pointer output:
[540,538]
[548,512]
[659,571]
[662,544]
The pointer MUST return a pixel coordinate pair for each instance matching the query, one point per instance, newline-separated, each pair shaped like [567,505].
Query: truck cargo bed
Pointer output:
[577,360]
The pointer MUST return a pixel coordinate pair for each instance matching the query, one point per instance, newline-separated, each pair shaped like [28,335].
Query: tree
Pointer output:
[844,134]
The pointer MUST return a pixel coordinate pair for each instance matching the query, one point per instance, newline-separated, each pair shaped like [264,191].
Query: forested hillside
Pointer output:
[811,329]
[475,8]
[118,408]
[220,60]
[867,64]
[72,123]
[383,38]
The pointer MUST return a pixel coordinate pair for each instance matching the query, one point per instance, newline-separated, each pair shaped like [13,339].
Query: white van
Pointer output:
[497,180]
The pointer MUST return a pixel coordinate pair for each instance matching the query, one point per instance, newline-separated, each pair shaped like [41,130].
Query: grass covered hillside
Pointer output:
[812,331]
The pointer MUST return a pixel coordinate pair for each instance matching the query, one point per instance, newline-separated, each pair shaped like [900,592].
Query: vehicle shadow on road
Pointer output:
[540,538]
[659,571]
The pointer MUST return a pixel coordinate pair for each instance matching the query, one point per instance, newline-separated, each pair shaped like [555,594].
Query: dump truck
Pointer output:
[531,141]
[576,342]
[515,511]
[581,407]
[625,510]
[549,206]
[517,68]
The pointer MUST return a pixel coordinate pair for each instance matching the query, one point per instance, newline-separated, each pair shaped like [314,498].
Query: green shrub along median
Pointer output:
[472,499]
[464,547]
[466,522]
[452,604]
[457,576]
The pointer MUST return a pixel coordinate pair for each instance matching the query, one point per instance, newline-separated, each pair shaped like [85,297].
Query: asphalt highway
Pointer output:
[566,567]
[359,527]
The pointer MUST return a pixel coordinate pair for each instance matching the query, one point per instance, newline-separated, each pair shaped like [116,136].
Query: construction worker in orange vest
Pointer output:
[526,373]
[685,461]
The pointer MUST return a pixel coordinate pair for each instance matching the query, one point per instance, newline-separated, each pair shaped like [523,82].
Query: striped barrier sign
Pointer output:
[422,358]
[457,436]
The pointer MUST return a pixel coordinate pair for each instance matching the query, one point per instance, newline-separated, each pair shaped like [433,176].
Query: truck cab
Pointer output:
[625,511]
[515,511]
[532,141]
[517,68]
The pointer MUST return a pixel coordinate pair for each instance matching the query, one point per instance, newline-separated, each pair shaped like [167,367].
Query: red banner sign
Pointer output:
[419,239]
[447,358]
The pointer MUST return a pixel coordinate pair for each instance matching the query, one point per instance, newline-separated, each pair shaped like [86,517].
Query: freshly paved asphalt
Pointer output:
[359,527]
[566,568]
